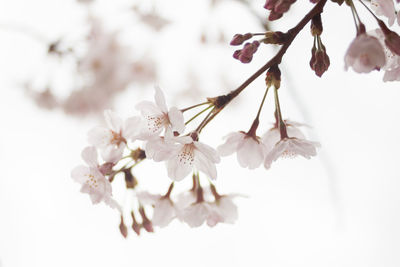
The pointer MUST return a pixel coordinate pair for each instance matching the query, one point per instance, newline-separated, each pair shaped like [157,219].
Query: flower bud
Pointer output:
[245,55]
[238,39]
[277,7]
[146,223]
[319,62]
[340,2]
[122,228]
[135,226]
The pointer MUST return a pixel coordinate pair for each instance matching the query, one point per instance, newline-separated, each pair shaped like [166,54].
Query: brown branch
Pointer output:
[276,60]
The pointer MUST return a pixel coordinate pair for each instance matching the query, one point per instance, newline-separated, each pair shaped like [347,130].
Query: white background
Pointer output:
[339,209]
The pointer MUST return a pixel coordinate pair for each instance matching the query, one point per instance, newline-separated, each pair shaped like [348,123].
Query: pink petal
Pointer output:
[177,121]
[89,155]
[231,143]
[114,122]
[251,154]
[205,165]
[132,128]
[160,99]
[99,136]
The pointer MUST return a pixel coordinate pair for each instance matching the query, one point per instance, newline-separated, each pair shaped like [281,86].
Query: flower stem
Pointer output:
[254,126]
[198,114]
[194,106]
[291,35]
[281,123]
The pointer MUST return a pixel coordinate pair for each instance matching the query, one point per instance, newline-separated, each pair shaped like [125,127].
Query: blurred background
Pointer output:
[341,208]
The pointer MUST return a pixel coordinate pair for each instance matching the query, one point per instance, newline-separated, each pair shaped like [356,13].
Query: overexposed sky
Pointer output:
[341,208]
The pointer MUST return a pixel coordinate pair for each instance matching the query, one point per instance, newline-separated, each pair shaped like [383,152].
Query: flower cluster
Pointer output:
[160,130]
[161,134]
[378,49]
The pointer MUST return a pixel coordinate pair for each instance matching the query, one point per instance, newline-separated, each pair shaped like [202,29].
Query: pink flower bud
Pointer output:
[365,54]
[245,55]
[319,62]
[238,39]
[122,228]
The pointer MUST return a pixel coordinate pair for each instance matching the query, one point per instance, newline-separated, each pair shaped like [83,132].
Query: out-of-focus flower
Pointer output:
[111,140]
[365,54]
[158,117]
[152,18]
[392,66]
[197,213]
[164,212]
[384,8]
[250,150]
[277,7]
[190,154]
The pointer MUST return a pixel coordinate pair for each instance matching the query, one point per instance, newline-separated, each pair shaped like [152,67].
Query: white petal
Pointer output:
[270,138]
[208,151]
[196,214]
[99,136]
[228,209]
[148,108]
[80,173]
[231,143]
[180,165]
[159,150]
[113,154]
[205,165]
[251,153]
[89,155]
[164,212]
[132,128]
[114,122]
[177,121]
[295,132]
[147,198]
[160,99]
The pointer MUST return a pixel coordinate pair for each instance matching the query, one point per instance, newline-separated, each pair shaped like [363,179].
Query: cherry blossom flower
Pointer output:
[250,151]
[291,147]
[365,54]
[92,179]
[160,148]
[189,154]
[158,117]
[164,212]
[197,213]
[224,211]
[195,207]
[384,8]
[392,67]
[111,140]
[272,136]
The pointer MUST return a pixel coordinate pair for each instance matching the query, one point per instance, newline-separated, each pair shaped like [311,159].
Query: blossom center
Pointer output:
[187,154]
[91,181]
[117,138]
[155,122]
